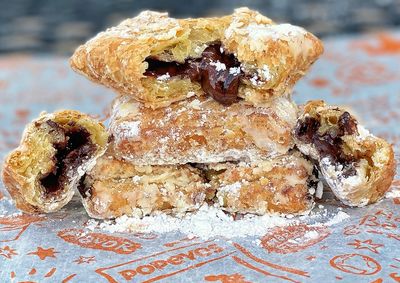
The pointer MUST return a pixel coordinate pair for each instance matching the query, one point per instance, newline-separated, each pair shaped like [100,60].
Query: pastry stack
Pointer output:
[203,115]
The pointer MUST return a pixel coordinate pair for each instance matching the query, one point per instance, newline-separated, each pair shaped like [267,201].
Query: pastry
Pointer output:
[279,185]
[115,187]
[158,60]
[201,130]
[357,166]
[55,151]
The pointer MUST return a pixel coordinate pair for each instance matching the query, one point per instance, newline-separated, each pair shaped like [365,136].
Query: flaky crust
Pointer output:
[272,56]
[279,185]
[114,188]
[371,169]
[200,130]
[35,158]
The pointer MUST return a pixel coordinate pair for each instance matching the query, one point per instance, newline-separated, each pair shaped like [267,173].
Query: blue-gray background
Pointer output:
[58,26]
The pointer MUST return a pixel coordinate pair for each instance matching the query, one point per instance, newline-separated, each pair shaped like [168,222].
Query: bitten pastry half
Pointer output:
[283,185]
[159,60]
[200,130]
[55,151]
[358,166]
[115,187]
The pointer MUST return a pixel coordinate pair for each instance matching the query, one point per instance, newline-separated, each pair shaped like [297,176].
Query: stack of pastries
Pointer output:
[203,114]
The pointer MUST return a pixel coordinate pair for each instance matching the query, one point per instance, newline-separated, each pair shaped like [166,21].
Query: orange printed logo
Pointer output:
[382,222]
[351,230]
[292,239]
[43,253]
[7,252]
[319,82]
[180,241]
[99,241]
[266,264]
[355,264]
[225,278]
[395,276]
[164,264]
[365,73]
[15,226]
[366,245]
[384,44]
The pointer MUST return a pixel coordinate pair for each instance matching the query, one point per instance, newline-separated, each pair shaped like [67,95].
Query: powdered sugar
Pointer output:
[147,24]
[275,32]
[234,70]
[311,234]
[265,73]
[254,80]
[208,222]
[91,224]
[363,133]
[129,130]
[341,185]
[337,218]
[218,65]
[393,193]
[15,214]
[164,77]
[320,190]
[195,104]
[230,188]
[136,179]
[211,222]
[190,94]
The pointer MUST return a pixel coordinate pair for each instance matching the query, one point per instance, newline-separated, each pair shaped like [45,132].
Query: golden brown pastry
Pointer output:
[55,151]
[357,166]
[279,185]
[159,60]
[201,130]
[114,188]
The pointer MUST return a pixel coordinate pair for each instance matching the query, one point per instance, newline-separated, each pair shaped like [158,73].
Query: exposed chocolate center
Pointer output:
[217,71]
[71,152]
[329,144]
[84,189]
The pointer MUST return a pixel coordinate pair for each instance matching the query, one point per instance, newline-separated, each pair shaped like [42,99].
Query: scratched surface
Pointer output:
[361,72]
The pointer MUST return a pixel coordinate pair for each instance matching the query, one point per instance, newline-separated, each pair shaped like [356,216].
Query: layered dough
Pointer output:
[358,166]
[158,60]
[201,130]
[115,187]
[55,151]
[280,185]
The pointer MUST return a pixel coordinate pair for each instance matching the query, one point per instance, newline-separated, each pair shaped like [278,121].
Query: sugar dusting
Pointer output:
[210,222]
[234,70]
[339,217]
[218,65]
[164,77]
[194,118]
[343,186]
[393,193]
[275,32]
[363,133]
[129,129]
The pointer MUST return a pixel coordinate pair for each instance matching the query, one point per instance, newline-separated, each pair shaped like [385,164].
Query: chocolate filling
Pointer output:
[313,181]
[71,152]
[84,189]
[217,71]
[329,144]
